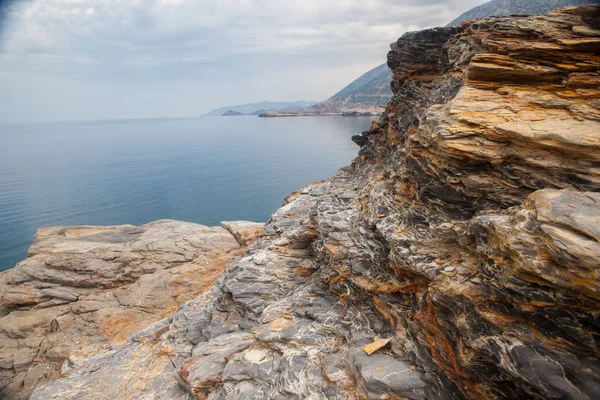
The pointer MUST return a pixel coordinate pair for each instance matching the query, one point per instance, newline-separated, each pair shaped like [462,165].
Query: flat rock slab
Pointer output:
[85,289]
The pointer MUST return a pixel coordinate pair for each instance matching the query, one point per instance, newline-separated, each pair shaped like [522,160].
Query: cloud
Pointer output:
[207,42]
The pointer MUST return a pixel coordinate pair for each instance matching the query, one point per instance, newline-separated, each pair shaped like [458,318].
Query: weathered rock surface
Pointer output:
[487,199]
[466,233]
[243,231]
[86,289]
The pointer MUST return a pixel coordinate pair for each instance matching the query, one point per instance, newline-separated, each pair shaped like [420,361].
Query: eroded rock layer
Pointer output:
[85,289]
[457,258]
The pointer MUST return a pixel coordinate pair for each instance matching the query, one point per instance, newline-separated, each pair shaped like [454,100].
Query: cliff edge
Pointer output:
[84,290]
[456,258]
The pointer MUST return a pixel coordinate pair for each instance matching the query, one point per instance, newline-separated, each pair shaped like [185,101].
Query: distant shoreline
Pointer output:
[272,114]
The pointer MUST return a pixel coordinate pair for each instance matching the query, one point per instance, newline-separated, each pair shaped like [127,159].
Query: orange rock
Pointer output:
[376,345]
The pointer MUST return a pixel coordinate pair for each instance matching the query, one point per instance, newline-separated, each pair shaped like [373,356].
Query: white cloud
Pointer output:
[212,41]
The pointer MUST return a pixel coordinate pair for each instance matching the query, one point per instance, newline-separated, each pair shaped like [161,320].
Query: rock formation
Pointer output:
[500,8]
[457,258]
[86,289]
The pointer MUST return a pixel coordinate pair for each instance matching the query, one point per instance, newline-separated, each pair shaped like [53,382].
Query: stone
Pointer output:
[382,376]
[245,232]
[86,289]
[376,345]
[23,359]
[202,374]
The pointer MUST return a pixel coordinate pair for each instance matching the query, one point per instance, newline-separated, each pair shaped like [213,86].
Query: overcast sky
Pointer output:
[102,59]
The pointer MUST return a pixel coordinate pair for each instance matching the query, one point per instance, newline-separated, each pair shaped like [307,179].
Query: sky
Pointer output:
[64,60]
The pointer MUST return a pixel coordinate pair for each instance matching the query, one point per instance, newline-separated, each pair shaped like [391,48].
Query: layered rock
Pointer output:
[487,201]
[86,289]
[457,258]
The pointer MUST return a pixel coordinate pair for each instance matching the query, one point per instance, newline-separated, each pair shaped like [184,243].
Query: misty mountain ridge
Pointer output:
[361,81]
[370,92]
[501,8]
[232,113]
[257,108]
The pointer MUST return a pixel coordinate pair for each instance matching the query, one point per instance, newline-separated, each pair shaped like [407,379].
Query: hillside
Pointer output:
[232,113]
[365,78]
[514,7]
[367,94]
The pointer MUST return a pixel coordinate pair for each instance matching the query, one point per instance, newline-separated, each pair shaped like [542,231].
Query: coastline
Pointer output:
[457,247]
[272,114]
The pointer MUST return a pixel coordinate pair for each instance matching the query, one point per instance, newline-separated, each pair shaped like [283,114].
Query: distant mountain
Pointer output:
[371,91]
[257,112]
[365,78]
[500,8]
[262,106]
[231,113]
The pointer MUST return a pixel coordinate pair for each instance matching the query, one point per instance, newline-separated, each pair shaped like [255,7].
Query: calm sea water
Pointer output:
[135,171]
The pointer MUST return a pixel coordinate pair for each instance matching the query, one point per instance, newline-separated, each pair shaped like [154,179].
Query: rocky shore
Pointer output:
[456,258]
[85,289]
[277,114]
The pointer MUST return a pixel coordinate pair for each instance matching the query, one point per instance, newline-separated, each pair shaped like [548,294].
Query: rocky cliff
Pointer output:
[456,258]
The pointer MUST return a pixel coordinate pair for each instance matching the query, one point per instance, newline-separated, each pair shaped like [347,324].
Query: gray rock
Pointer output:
[382,376]
[85,289]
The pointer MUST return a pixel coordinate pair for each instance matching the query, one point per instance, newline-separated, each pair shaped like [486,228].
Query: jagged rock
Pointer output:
[466,232]
[85,289]
[381,376]
[203,372]
[262,330]
[473,152]
[243,231]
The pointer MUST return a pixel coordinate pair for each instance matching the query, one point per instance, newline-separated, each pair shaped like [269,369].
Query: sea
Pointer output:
[203,170]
